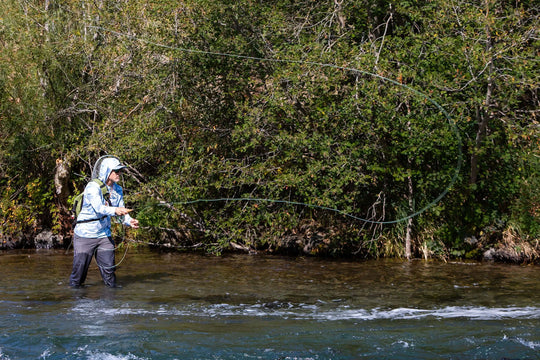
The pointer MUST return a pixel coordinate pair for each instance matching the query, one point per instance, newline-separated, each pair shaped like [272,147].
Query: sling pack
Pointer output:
[79,199]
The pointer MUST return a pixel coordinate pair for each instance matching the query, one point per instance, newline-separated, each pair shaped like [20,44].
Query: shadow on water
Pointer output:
[145,278]
[189,306]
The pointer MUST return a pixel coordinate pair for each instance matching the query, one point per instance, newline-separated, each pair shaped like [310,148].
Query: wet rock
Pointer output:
[490,254]
[47,240]
[14,241]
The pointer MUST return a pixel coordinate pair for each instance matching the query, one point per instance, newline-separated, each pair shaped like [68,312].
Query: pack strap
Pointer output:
[89,220]
[106,196]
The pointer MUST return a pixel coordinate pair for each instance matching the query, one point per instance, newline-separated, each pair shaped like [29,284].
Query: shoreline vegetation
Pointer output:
[299,128]
[507,247]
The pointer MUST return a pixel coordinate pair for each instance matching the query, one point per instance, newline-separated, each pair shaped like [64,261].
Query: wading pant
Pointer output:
[85,248]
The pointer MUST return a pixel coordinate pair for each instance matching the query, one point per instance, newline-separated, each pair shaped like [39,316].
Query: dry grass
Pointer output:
[515,248]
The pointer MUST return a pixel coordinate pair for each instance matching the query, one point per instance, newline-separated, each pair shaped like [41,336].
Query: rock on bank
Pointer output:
[43,240]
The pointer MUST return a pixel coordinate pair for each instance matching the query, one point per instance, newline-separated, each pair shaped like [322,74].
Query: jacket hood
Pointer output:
[108,165]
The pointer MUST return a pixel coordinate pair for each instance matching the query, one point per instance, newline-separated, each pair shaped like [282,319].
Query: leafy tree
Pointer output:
[310,106]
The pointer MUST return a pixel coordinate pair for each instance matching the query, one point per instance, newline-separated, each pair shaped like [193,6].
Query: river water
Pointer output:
[185,306]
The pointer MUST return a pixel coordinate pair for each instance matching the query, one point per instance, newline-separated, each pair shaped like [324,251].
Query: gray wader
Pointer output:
[85,248]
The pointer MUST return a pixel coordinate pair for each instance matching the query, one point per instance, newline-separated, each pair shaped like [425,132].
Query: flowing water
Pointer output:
[185,306]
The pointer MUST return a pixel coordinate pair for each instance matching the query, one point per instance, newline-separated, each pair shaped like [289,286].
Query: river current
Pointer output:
[186,306]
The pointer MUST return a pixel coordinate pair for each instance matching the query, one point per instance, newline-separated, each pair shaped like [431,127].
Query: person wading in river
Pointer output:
[92,233]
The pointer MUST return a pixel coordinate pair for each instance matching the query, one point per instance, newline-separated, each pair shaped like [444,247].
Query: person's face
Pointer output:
[114,176]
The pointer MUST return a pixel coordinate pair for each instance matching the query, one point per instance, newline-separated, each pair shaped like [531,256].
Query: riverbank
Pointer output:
[508,247]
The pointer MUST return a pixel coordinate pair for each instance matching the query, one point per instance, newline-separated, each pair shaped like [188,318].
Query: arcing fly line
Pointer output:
[321,65]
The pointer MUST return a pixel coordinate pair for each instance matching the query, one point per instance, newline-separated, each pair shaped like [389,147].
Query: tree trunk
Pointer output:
[482,112]
[408,231]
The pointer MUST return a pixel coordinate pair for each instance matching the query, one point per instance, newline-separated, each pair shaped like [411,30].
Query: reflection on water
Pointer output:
[189,306]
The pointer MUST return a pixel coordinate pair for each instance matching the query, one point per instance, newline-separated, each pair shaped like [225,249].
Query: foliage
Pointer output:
[308,107]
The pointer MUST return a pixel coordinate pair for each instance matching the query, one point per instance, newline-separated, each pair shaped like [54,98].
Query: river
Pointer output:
[188,306]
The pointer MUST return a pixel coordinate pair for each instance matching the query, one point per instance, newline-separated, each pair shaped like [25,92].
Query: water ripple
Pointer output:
[306,311]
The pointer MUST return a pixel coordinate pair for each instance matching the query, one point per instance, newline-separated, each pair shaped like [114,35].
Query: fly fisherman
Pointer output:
[92,233]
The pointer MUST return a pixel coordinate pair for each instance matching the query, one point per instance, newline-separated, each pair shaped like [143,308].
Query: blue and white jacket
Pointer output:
[95,206]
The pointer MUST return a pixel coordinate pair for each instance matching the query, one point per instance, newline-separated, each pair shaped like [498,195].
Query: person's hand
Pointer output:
[134,223]
[119,211]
